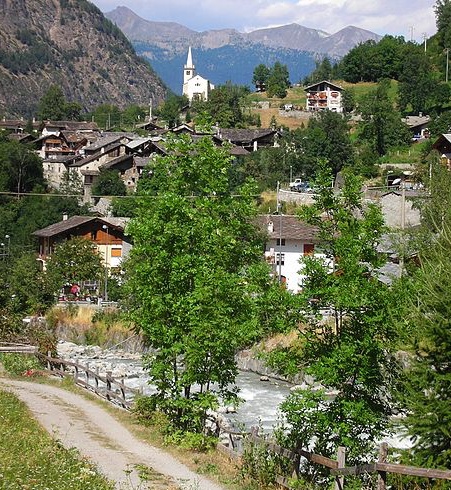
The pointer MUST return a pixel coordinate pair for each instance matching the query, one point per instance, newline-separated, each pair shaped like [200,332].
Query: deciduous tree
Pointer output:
[193,243]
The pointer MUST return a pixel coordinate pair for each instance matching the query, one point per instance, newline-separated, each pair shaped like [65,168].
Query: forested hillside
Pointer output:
[71,44]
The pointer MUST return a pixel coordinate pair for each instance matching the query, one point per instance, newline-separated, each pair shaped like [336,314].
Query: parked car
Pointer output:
[303,187]
[294,184]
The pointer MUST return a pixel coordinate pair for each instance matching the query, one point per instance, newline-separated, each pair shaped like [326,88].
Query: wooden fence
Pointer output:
[337,467]
[15,348]
[107,387]
[114,390]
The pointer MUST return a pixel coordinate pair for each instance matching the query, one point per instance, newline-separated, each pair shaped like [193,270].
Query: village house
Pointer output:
[323,96]
[418,125]
[250,139]
[288,241]
[106,233]
[17,125]
[195,87]
[443,147]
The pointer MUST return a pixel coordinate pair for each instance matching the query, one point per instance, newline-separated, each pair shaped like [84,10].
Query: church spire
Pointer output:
[189,61]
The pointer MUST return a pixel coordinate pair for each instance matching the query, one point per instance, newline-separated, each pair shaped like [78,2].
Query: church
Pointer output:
[194,86]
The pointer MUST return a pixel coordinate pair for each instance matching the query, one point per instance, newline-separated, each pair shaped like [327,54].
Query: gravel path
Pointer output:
[82,424]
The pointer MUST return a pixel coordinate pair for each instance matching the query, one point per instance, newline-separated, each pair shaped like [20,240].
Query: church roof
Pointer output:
[189,61]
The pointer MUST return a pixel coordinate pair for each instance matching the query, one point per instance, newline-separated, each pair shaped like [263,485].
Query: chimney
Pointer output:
[34,119]
[420,114]
[270,227]
[65,216]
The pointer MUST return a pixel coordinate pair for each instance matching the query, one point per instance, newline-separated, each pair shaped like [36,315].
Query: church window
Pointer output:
[188,72]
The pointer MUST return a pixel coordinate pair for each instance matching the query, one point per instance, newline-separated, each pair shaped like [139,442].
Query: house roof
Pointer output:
[334,85]
[116,161]
[102,142]
[20,137]
[442,139]
[245,135]
[288,227]
[72,125]
[415,121]
[137,143]
[76,221]
[141,161]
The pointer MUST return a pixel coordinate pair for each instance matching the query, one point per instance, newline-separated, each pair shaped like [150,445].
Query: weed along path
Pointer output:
[119,455]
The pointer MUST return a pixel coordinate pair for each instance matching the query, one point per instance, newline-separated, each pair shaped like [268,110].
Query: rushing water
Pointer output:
[260,399]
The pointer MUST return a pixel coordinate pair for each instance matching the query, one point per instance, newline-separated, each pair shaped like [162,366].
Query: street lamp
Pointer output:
[105,227]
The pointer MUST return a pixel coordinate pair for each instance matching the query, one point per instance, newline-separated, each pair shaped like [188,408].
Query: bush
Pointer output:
[17,364]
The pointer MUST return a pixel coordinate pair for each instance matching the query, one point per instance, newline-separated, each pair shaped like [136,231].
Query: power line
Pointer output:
[37,194]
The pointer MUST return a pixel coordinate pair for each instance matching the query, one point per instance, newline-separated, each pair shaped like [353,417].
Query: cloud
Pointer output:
[382,16]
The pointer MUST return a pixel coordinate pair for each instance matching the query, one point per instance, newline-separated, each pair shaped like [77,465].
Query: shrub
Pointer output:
[17,364]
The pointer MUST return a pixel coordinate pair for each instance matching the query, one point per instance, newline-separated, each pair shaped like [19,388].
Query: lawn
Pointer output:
[31,460]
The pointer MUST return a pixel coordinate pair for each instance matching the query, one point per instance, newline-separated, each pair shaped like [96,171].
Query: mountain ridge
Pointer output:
[291,36]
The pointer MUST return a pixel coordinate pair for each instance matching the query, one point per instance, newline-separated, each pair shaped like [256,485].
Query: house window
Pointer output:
[94,235]
[309,249]
[280,259]
[116,252]
[279,242]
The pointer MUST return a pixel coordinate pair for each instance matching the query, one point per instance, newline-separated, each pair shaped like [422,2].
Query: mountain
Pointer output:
[173,36]
[227,54]
[69,43]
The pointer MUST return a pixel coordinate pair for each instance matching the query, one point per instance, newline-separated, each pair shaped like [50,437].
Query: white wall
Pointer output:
[292,268]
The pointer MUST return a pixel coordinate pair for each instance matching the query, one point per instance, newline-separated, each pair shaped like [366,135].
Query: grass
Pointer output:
[31,460]
[86,325]
[212,464]
[411,155]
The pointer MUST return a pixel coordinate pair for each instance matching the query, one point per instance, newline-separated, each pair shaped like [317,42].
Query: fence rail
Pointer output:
[7,348]
[113,389]
[338,467]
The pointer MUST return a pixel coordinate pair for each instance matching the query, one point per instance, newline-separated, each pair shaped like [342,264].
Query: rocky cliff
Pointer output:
[69,43]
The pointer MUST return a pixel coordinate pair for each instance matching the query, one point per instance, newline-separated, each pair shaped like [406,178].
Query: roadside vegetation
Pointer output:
[31,459]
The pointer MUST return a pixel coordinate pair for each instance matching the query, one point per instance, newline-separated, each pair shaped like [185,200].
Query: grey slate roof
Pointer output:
[292,228]
[244,135]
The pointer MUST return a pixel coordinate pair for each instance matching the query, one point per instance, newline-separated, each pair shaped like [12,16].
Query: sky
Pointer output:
[381,16]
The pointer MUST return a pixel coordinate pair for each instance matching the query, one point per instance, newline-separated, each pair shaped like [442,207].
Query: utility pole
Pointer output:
[105,227]
[412,33]
[403,227]
[425,39]
[280,234]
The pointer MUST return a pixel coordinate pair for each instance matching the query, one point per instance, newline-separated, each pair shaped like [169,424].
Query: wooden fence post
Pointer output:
[87,373]
[341,459]
[97,379]
[76,373]
[49,364]
[108,384]
[382,479]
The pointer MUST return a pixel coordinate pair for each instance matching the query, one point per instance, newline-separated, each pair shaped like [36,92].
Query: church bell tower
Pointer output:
[190,70]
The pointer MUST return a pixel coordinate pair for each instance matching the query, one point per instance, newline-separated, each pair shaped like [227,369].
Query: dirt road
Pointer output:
[118,454]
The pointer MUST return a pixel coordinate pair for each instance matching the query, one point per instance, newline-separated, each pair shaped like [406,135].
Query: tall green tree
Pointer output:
[193,245]
[382,127]
[278,81]
[427,393]
[443,17]
[225,106]
[261,75]
[21,168]
[109,183]
[171,109]
[74,261]
[54,106]
[349,354]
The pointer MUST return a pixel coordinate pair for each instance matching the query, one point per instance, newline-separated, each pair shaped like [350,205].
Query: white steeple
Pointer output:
[190,69]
